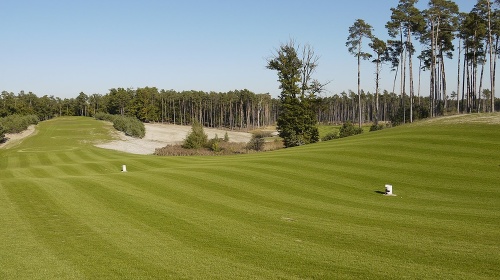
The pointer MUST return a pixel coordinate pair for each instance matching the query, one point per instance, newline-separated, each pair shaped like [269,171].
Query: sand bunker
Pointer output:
[161,135]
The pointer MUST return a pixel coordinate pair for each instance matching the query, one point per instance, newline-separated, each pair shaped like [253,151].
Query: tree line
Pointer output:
[238,109]
[437,28]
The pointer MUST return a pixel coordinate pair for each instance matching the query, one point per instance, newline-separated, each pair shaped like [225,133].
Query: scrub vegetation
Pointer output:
[197,143]
[17,123]
[128,125]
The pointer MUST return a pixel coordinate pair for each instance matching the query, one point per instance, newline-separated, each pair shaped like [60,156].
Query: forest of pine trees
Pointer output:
[441,30]
[436,29]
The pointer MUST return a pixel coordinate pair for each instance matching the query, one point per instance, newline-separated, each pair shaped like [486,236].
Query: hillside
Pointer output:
[316,211]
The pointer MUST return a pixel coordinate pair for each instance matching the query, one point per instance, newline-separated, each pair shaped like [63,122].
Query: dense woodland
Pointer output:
[441,30]
[235,109]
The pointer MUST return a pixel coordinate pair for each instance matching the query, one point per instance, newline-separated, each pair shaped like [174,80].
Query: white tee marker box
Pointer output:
[388,189]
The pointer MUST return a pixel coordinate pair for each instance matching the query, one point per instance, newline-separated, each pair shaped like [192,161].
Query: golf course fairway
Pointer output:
[311,212]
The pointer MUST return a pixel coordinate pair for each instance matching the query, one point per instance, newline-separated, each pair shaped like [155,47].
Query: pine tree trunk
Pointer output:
[458,74]
[492,67]
[494,78]
[411,77]
[443,83]
[359,89]
[480,87]
[432,80]
[377,79]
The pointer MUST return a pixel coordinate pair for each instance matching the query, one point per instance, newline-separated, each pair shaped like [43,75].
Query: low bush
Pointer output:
[263,133]
[225,148]
[196,138]
[105,117]
[330,136]
[214,144]
[274,145]
[376,127]
[257,142]
[196,144]
[18,123]
[130,126]
[2,134]
[348,129]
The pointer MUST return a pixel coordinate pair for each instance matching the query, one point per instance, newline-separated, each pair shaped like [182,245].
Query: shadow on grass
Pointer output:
[380,192]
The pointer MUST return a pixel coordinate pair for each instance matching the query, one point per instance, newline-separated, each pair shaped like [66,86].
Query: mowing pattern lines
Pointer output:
[309,212]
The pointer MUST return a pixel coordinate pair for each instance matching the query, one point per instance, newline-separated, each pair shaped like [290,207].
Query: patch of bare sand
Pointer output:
[16,138]
[161,135]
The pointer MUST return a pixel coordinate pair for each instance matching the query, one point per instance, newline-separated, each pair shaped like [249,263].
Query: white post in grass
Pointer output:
[124,168]
[388,189]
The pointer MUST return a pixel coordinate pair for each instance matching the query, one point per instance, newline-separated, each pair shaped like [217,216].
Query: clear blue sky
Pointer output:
[64,47]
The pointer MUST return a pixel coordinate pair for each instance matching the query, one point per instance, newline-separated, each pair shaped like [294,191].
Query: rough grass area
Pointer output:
[311,212]
[224,149]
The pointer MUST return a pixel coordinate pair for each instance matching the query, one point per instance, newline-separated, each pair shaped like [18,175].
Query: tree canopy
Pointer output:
[297,120]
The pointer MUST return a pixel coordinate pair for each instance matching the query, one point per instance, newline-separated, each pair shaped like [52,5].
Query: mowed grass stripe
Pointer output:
[64,235]
[337,193]
[417,167]
[22,255]
[206,235]
[435,221]
[196,233]
[204,203]
[350,209]
[165,256]
[353,239]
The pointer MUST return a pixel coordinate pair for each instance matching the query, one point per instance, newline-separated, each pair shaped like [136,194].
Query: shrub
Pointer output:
[2,134]
[196,138]
[226,137]
[274,145]
[130,126]
[330,136]
[348,129]
[257,142]
[263,133]
[214,144]
[105,117]
[376,127]
[18,123]
[135,128]
[226,148]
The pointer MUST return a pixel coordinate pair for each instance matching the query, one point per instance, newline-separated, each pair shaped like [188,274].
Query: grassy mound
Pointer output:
[314,211]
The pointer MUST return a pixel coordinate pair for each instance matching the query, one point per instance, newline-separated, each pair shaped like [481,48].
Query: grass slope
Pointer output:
[66,210]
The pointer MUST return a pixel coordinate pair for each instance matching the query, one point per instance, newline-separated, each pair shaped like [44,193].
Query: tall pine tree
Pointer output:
[359,30]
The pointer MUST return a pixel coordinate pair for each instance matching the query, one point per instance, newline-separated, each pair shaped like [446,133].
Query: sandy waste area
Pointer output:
[157,136]
[161,135]
[13,138]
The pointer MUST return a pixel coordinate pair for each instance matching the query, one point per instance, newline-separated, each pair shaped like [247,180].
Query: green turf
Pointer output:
[66,210]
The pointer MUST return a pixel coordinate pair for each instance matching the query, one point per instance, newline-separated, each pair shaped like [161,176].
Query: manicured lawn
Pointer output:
[316,211]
